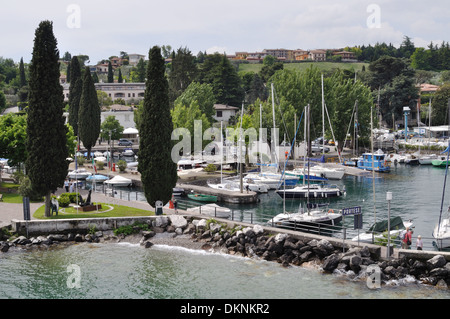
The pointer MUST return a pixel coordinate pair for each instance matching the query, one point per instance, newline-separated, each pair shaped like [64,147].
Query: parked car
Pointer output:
[319,148]
[125,142]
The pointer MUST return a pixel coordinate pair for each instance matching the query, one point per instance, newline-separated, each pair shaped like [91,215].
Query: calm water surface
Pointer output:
[130,271]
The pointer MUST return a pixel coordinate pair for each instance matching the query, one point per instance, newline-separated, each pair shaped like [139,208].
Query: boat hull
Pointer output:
[319,194]
[203,198]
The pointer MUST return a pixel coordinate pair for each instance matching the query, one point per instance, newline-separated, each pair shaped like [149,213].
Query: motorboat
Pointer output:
[213,210]
[100,159]
[301,174]
[314,191]
[376,161]
[119,181]
[128,152]
[441,161]
[97,178]
[327,172]
[202,197]
[309,218]
[375,232]
[80,173]
[426,159]
[234,186]
[177,191]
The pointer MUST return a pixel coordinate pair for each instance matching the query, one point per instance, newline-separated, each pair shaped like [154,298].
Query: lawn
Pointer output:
[108,210]
[323,66]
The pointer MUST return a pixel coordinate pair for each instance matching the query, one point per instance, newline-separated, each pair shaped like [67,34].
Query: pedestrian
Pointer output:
[66,185]
[175,205]
[55,205]
[419,243]
[71,187]
[406,242]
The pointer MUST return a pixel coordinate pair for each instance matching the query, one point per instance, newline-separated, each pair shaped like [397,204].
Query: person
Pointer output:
[419,243]
[175,205]
[55,206]
[66,185]
[71,187]
[406,242]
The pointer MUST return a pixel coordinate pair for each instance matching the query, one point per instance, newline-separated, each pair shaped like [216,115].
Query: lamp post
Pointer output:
[406,110]
[389,198]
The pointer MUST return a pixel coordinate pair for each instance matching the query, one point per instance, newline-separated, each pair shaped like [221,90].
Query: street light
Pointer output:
[389,198]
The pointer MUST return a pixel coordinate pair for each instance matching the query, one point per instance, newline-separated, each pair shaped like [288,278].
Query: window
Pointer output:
[219,113]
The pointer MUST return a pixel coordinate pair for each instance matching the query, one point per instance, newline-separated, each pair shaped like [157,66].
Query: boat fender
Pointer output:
[330,211]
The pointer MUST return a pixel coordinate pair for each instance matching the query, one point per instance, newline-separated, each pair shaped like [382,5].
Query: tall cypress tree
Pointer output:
[46,163]
[120,80]
[110,73]
[158,170]
[75,90]
[89,113]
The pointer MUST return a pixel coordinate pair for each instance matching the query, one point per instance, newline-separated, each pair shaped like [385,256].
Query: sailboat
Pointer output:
[442,232]
[312,217]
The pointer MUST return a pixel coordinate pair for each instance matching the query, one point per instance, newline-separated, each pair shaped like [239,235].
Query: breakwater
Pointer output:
[286,247]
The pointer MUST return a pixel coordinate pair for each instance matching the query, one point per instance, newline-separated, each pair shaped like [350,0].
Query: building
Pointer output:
[346,56]
[224,112]
[428,88]
[300,55]
[280,54]
[317,55]
[129,92]
[134,58]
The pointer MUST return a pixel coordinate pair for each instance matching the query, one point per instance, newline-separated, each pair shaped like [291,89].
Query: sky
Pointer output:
[100,28]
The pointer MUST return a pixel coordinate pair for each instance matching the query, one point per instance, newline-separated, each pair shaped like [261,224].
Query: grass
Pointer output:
[106,211]
[14,197]
[323,66]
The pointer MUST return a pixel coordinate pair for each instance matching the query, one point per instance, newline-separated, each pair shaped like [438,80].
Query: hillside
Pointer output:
[325,66]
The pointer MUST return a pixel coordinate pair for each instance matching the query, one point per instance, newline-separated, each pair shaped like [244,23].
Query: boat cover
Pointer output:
[396,223]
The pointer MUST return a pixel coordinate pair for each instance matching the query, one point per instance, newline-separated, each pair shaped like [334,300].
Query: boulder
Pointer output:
[323,248]
[355,263]
[258,230]
[439,272]
[4,247]
[279,238]
[331,262]
[248,231]
[178,221]
[148,244]
[437,261]
[161,221]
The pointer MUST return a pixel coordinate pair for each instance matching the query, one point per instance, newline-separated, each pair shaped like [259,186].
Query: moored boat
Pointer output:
[80,173]
[202,197]
[118,181]
[315,191]
[212,210]
[376,161]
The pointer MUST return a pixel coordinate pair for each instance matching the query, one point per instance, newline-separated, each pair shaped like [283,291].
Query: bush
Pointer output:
[211,168]
[81,160]
[64,200]
[122,165]
[25,189]
[100,165]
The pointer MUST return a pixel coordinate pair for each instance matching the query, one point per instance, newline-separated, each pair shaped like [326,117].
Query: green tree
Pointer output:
[75,90]
[158,171]
[110,73]
[2,101]
[111,124]
[120,80]
[184,71]
[89,113]
[13,136]
[46,133]
[138,73]
[223,78]
[440,105]
[203,94]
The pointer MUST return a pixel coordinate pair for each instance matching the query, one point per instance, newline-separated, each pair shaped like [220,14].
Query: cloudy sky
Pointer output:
[100,28]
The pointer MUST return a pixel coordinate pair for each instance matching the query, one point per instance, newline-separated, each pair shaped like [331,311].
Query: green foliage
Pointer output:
[13,137]
[183,72]
[26,190]
[131,229]
[440,107]
[64,200]
[122,165]
[158,171]
[210,168]
[201,93]
[89,113]
[110,73]
[75,91]
[110,124]
[46,131]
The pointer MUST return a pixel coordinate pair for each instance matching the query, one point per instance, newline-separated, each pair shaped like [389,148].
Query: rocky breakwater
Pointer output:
[288,249]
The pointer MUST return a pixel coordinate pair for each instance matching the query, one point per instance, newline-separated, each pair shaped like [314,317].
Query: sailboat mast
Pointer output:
[221,153]
[323,120]
[240,152]
[373,165]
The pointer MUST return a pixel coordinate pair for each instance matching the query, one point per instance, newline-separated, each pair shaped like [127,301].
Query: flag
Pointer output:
[93,165]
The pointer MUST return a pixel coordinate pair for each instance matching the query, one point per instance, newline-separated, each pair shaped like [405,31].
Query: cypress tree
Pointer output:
[110,73]
[46,145]
[158,171]
[120,80]
[75,90]
[89,113]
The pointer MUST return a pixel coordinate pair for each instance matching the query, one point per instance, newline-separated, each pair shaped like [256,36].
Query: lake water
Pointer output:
[130,271]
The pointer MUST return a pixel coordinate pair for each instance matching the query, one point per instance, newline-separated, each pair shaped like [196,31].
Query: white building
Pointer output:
[224,112]
[126,91]
[134,58]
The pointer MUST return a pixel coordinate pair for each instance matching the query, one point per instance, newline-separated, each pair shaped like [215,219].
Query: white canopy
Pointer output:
[130,130]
